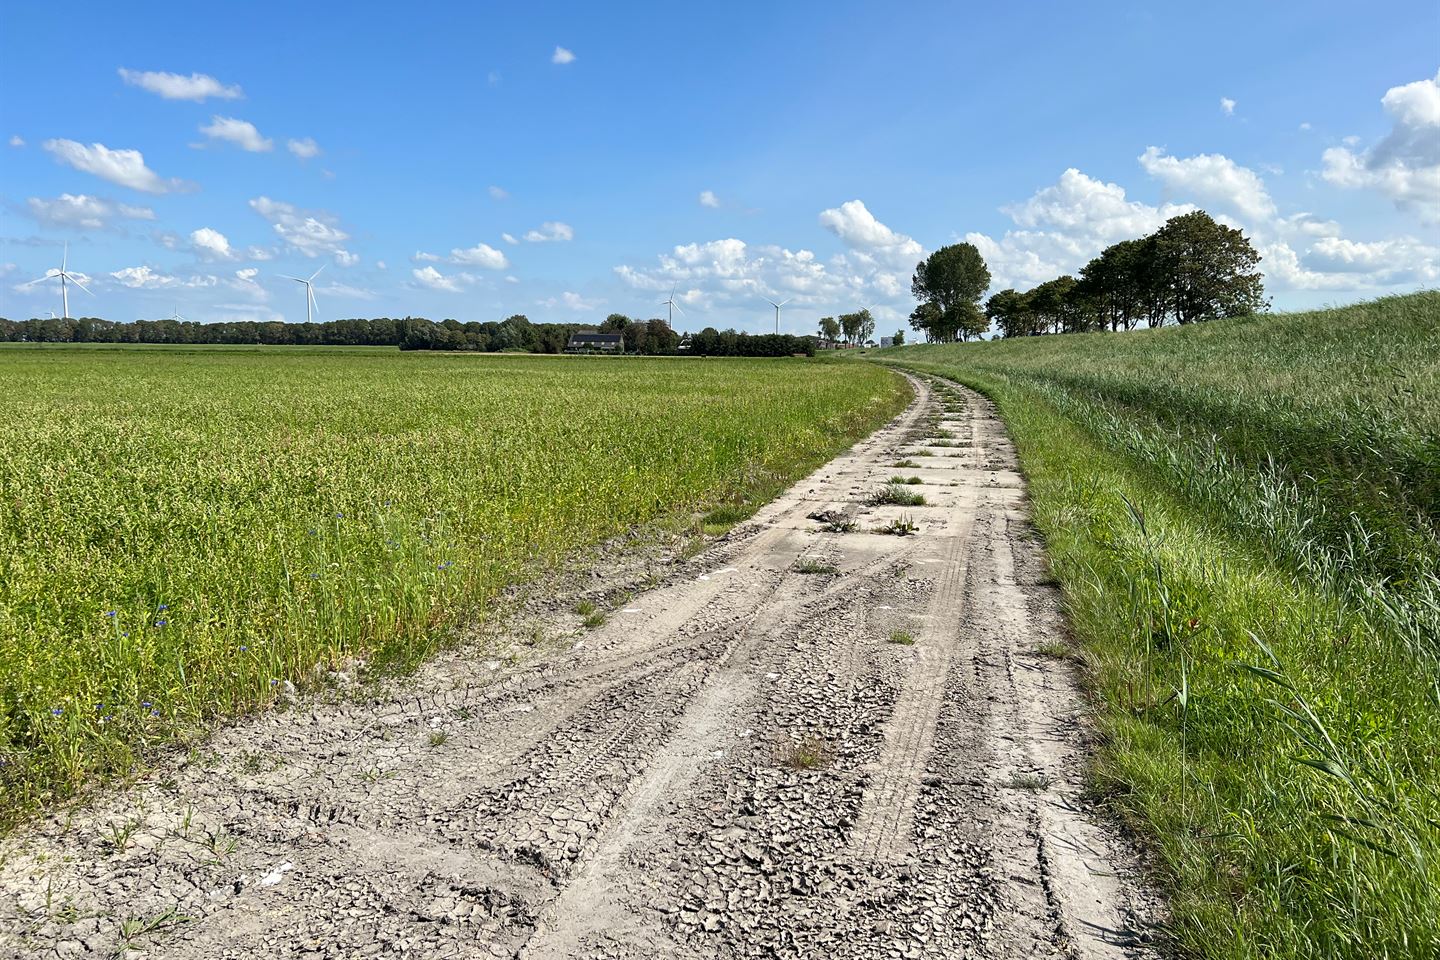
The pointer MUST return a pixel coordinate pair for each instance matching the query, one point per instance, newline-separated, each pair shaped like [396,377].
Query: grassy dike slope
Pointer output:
[1244,518]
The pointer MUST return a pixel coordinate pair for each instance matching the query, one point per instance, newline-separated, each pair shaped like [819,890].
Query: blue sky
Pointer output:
[570,160]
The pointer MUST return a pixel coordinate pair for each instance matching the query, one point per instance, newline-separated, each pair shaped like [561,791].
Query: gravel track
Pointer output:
[738,763]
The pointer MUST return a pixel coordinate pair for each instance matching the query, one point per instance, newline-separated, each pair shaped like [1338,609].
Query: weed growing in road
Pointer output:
[895,494]
[584,608]
[596,619]
[815,567]
[810,753]
[904,480]
[903,637]
[899,527]
[905,464]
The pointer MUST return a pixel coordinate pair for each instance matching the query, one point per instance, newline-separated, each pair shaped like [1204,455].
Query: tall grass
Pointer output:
[1244,519]
[182,531]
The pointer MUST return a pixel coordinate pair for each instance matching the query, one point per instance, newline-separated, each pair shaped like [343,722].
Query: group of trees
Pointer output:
[1190,270]
[855,328]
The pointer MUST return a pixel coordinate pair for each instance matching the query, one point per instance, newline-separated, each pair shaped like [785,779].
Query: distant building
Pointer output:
[593,341]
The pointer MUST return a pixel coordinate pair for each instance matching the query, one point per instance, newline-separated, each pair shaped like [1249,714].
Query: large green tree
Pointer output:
[953,279]
[1208,270]
[1010,311]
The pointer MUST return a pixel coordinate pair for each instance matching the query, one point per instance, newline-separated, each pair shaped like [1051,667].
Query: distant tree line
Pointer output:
[514,334]
[1191,270]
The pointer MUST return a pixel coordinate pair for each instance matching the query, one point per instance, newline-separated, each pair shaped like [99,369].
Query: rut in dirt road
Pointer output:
[742,762]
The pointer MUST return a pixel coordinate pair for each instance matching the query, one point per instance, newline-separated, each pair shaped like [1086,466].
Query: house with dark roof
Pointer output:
[593,341]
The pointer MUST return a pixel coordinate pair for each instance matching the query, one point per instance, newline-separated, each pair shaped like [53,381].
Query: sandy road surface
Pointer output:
[739,763]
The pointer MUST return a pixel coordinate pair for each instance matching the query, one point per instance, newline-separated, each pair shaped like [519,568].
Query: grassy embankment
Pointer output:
[183,530]
[1244,518]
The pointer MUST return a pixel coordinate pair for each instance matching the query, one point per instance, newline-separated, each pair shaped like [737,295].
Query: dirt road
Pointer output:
[810,740]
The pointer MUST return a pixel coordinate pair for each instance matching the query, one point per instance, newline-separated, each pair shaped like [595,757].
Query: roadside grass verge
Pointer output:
[184,532]
[1242,521]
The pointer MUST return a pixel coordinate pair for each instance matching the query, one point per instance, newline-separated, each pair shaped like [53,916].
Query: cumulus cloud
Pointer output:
[211,244]
[16,140]
[1227,106]
[83,211]
[480,255]
[312,233]
[510,238]
[420,256]
[1212,176]
[1405,165]
[124,167]
[435,280]
[732,273]
[551,230]
[242,133]
[247,274]
[304,148]
[173,86]
[708,199]
[145,278]
[562,56]
[498,193]
[853,223]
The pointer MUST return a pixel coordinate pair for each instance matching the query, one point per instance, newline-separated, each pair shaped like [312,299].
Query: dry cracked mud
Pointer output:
[812,739]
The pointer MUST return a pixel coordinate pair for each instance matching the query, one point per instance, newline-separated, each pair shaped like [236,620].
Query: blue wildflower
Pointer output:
[161,623]
[111,613]
[163,606]
[57,711]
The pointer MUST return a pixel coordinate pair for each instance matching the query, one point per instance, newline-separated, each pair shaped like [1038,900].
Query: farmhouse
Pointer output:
[593,341]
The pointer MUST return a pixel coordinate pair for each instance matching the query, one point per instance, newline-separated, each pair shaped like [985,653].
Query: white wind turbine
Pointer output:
[177,318]
[670,302]
[64,276]
[777,307]
[309,292]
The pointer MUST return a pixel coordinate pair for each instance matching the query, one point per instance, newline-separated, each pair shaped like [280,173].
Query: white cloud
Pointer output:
[512,279]
[304,148]
[346,259]
[309,232]
[259,253]
[420,256]
[1405,165]
[1305,125]
[174,86]
[247,274]
[551,230]
[242,133]
[708,199]
[498,193]
[124,167]
[571,301]
[435,280]
[731,273]
[211,244]
[84,211]
[561,55]
[380,265]
[1227,106]
[481,255]
[144,278]
[16,140]
[853,223]
[510,238]
[1212,176]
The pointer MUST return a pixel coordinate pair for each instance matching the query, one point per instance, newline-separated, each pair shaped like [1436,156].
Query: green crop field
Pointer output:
[1245,518]
[183,530]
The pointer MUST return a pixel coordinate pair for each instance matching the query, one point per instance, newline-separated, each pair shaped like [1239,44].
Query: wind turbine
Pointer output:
[64,276]
[670,302]
[309,292]
[177,318]
[777,307]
